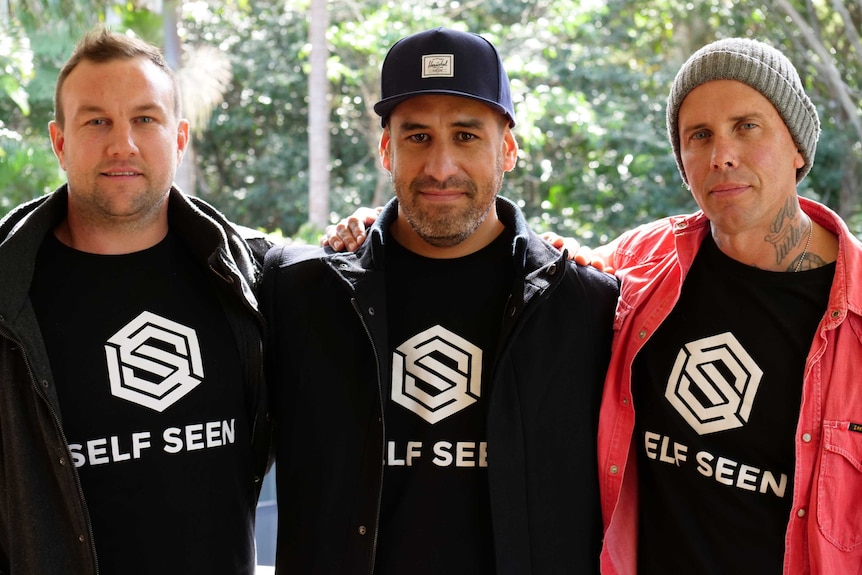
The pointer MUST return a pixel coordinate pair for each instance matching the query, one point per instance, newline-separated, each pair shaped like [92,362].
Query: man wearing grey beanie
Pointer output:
[737,336]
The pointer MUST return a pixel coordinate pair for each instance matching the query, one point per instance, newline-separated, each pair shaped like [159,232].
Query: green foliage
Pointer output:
[308,233]
[594,159]
[146,23]
[38,14]
[589,80]
[16,70]
[28,169]
[252,158]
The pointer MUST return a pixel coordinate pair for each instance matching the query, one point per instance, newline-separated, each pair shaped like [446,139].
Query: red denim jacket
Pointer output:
[824,533]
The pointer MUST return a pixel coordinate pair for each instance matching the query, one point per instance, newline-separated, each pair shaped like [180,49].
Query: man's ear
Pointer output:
[58,142]
[510,150]
[182,139]
[384,150]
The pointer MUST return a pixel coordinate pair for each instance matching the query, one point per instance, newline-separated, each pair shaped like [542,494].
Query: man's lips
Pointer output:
[729,188]
[442,195]
[120,173]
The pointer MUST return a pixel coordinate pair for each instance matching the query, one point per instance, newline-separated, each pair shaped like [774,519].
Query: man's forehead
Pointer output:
[137,81]
[119,71]
[445,109]
[730,94]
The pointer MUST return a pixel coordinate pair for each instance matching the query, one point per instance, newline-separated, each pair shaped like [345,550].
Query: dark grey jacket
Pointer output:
[329,370]
[44,525]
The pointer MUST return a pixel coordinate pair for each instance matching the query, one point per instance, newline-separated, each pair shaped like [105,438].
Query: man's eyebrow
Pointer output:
[411,126]
[733,119]
[89,109]
[469,123]
[141,109]
[473,123]
[749,116]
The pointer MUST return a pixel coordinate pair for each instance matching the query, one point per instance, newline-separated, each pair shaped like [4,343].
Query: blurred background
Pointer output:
[280,93]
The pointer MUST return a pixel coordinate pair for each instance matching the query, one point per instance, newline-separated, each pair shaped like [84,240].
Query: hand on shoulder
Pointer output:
[581,255]
[349,233]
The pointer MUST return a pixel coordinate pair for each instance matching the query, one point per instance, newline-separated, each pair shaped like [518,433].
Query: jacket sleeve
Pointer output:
[258,243]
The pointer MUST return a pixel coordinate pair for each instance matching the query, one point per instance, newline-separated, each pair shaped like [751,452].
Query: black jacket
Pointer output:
[44,526]
[328,367]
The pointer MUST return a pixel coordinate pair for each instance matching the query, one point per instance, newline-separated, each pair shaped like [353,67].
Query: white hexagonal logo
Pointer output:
[713,384]
[153,361]
[436,373]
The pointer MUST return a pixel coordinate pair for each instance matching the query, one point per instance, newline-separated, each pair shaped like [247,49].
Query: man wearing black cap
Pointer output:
[423,423]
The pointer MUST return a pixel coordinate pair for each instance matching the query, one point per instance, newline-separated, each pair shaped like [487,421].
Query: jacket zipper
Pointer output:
[383,428]
[56,420]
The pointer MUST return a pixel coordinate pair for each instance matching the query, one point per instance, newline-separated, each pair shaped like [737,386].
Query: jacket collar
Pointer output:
[213,240]
[845,296]
[21,235]
[530,254]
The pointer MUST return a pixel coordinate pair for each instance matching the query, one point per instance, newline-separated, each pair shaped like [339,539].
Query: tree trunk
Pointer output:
[846,104]
[185,176]
[318,118]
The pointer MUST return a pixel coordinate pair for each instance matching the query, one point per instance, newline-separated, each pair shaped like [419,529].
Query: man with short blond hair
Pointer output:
[130,345]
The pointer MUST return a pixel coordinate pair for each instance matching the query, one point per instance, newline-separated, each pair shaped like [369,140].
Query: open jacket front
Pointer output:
[824,530]
[329,367]
[44,525]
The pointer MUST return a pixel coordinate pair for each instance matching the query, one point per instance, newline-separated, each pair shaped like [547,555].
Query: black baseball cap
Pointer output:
[447,62]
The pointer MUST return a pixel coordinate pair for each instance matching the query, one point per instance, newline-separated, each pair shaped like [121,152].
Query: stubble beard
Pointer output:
[119,208]
[449,225]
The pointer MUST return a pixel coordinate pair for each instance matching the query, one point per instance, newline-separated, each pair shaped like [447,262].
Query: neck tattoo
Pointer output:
[807,245]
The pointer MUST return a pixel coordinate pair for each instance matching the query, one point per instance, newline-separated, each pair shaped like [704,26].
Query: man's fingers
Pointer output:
[350,232]
[330,238]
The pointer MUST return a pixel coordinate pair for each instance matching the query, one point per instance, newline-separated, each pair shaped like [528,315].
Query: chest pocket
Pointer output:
[621,314]
[839,515]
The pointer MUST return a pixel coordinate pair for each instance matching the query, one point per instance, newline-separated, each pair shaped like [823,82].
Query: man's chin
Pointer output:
[444,241]
[447,242]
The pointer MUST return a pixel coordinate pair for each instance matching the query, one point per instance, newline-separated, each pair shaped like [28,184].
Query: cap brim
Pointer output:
[384,107]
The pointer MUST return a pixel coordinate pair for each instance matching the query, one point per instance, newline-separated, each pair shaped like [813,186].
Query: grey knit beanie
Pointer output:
[761,67]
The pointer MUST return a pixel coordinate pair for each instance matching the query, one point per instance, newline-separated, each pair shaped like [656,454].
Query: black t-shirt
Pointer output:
[444,319]
[717,392]
[152,405]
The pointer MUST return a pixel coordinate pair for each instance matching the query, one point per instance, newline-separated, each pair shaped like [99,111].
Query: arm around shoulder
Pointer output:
[601,290]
